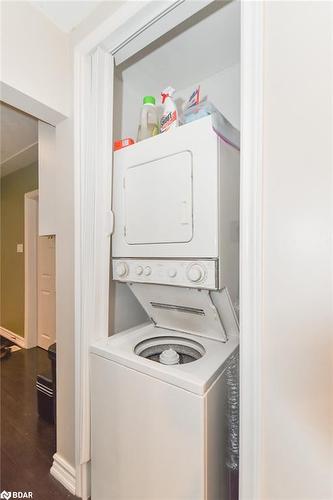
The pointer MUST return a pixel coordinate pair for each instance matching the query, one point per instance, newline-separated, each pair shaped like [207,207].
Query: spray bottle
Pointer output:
[169,118]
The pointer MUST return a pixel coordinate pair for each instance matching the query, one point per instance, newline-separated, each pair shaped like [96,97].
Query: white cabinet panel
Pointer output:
[46,179]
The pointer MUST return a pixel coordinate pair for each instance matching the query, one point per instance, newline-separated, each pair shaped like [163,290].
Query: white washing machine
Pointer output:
[159,408]
[158,394]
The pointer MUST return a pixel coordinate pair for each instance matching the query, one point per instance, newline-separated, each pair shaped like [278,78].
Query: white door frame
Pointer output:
[251,299]
[132,18]
[30,268]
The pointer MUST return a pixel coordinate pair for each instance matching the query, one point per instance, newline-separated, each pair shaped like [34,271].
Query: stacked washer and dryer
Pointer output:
[159,390]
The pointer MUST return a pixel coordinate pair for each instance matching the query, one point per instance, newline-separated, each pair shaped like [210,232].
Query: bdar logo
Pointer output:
[5,494]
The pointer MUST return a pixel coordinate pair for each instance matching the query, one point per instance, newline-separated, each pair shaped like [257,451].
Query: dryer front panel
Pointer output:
[165,195]
[158,201]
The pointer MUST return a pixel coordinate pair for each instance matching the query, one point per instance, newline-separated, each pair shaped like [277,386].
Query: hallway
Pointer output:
[27,442]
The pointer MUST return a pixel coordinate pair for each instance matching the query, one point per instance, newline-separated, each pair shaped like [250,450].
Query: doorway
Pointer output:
[27,306]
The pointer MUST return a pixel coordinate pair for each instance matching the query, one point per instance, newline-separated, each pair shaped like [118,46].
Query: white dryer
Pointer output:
[176,200]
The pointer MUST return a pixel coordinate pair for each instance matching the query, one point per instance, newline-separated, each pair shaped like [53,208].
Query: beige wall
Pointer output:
[297,387]
[13,188]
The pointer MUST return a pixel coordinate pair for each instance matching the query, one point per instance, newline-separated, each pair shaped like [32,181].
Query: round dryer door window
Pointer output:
[170,350]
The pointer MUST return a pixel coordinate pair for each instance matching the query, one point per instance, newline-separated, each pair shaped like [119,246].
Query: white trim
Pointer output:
[13,97]
[64,473]
[17,339]
[252,24]
[119,19]
[131,20]
[83,484]
[82,88]
[82,72]
[149,24]
[30,268]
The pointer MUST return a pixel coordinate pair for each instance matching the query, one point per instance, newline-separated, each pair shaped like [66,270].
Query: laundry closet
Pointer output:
[203,50]
[164,389]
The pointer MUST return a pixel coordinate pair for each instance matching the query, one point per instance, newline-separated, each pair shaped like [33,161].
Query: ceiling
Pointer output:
[18,139]
[66,15]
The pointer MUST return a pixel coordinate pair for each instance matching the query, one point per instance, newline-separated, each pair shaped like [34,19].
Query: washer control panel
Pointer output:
[189,273]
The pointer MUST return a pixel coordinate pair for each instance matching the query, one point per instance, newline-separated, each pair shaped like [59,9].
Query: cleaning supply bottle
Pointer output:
[169,117]
[148,126]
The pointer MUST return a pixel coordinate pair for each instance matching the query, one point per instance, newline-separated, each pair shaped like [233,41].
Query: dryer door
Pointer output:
[158,201]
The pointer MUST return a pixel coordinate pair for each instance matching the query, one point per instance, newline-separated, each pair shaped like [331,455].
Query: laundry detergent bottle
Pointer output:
[169,117]
[148,126]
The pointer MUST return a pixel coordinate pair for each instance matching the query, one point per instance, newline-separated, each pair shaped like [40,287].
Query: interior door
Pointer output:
[96,226]
[46,292]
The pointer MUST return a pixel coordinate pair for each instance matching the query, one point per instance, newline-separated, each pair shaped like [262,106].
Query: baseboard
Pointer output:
[83,486]
[17,339]
[64,473]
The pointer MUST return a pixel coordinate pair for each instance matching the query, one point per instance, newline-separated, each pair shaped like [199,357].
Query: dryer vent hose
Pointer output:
[232,417]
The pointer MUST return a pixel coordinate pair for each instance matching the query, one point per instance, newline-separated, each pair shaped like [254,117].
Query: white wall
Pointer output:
[297,388]
[35,57]
[222,89]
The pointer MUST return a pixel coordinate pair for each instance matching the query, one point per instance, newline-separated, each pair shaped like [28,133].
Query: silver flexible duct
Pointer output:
[232,376]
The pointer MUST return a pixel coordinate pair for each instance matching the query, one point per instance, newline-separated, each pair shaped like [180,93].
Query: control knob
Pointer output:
[172,272]
[121,269]
[139,270]
[147,271]
[195,273]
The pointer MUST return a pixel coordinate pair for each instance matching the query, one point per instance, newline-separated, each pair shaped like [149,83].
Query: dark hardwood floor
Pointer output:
[27,441]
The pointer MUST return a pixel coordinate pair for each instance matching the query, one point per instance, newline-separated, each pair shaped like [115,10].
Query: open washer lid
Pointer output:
[182,309]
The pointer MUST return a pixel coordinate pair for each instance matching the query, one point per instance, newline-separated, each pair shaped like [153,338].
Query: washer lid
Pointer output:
[182,309]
